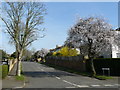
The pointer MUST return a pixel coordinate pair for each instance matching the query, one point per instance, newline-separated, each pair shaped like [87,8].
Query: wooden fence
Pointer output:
[74,62]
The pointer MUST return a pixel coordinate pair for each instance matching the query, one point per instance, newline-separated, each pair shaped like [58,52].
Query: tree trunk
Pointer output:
[92,67]
[18,72]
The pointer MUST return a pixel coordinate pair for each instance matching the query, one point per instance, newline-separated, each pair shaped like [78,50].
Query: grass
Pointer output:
[20,78]
[103,77]
[100,77]
[4,71]
[0,71]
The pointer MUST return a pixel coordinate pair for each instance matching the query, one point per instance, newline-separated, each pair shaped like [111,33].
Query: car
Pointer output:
[4,63]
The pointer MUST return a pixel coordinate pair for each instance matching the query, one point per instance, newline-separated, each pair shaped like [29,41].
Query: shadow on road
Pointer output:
[46,74]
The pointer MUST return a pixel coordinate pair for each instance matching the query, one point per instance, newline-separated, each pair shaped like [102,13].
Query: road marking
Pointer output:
[117,84]
[82,86]
[42,70]
[108,85]
[69,87]
[95,85]
[18,87]
[67,82]
[57,77]
[75,84]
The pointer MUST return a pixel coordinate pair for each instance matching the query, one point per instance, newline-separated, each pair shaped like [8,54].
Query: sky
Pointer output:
[63,15]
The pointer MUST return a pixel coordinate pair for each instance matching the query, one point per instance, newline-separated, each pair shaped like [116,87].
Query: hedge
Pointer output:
[112,63]
[4,71]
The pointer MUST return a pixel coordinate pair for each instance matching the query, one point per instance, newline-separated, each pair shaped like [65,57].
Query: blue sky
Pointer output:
[61,16]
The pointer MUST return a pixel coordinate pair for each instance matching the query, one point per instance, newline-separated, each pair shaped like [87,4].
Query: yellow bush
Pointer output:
[66,51]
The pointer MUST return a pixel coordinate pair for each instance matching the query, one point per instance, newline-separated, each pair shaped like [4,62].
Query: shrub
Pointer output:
[4,71]
[66,51]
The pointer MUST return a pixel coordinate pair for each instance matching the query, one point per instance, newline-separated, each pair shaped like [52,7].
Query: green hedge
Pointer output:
[112,63]
[0,71]
[4,71]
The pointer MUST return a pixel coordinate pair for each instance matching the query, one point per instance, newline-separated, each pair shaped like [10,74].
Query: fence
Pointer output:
[74,62]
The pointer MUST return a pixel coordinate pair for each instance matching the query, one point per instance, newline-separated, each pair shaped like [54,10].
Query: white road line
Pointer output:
[108,85]
[57,77]
[75,84]
[18,87]
[69,87]
[42,70]
[117,84]
[67,82]
[82,86]
[95,85]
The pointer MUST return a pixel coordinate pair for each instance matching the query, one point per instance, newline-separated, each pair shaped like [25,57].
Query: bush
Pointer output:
[4,71]
[66,51]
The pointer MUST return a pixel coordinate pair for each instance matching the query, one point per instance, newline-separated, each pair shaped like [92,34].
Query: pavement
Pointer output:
[41,76]
[10,81]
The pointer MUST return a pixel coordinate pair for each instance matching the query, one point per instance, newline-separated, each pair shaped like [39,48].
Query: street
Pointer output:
[41,76]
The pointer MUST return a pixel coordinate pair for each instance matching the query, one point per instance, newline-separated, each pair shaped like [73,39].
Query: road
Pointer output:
[41,76]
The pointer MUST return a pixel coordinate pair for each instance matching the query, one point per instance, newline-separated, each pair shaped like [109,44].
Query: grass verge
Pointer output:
[103,77]
[20,78]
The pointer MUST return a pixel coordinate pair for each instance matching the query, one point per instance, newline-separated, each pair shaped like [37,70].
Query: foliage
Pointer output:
[66,51]
[91,35]
[4,71]
[41,53]
[3,54]
[49,54]
[27,55]
[13,55]
[117,37]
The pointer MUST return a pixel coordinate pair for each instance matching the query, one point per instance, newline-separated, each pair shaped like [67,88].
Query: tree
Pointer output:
[22,21]
[91,35]
[41,53]
[13,55]
[4,55]
[117,37]
[27,55]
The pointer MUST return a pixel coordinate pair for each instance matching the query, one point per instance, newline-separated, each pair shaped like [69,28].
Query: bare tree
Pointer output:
[91,35]
[22,20]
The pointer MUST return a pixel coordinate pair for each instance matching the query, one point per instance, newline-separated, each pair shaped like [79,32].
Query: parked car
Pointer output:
[4,62]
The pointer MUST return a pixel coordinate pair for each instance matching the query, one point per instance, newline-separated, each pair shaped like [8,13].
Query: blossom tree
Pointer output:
[91,35]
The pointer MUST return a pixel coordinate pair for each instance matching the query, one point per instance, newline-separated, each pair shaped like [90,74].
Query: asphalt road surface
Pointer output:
[41,76]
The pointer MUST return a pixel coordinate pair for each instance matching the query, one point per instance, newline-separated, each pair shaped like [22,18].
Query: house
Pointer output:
[114,51]
[115,47]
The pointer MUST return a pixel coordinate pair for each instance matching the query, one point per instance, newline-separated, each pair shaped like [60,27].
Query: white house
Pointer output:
[115,49]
